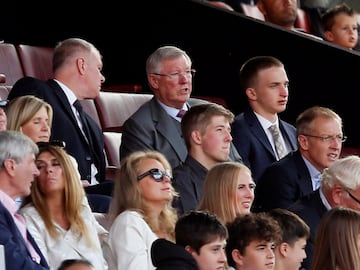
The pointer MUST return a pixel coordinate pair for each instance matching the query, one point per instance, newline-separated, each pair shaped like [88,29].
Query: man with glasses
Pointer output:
[339,186]
[320,138]
[156,124]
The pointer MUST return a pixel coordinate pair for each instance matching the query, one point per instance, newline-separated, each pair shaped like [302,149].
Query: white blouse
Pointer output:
[128,244]
[68,245]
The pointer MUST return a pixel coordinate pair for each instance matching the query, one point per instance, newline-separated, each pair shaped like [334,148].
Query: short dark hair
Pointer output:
[70,262]
[198,228]
[250,69]
[247,228]
[292,226]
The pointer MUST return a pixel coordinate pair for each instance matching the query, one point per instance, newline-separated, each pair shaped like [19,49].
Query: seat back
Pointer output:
[252,11]
[115,108]
[89,107]
[112,141]
[10,64]
[302,20]
[36,60]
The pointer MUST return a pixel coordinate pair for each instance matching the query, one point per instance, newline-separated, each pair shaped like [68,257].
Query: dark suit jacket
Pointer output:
[65,127]
[283,183]
[251,141]
[16,253]
[311,209]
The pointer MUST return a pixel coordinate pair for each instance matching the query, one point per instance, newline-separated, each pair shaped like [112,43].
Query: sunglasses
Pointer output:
[157,174]
[56,143]
[3,103]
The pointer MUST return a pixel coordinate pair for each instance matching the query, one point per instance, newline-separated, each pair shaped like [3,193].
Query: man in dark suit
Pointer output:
[18,169]
[339,186]
[156,124]
[77,66]
[320,140]
[265,83]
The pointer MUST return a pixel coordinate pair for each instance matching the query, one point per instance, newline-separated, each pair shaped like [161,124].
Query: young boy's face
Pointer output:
[344,31]
[293,255]
[211,256]
[258,255]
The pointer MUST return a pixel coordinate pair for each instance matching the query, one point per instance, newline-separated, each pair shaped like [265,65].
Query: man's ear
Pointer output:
[189,249]
[9,166]
[250,93]
[153,81]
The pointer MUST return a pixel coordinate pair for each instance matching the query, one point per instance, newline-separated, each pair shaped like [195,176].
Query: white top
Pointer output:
[68,245]
[129,243]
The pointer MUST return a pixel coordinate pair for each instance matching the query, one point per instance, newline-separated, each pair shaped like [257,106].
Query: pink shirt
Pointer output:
[12,207]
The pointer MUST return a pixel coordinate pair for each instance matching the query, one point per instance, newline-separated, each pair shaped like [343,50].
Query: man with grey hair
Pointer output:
[17,171]
[339,186]
[156,124]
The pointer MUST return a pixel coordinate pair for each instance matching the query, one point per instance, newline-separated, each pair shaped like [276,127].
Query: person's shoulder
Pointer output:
[27,86]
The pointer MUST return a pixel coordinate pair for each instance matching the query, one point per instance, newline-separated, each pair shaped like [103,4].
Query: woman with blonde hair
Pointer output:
[228,191]
[57,213]
[337,242]
[32,116]
[140,211]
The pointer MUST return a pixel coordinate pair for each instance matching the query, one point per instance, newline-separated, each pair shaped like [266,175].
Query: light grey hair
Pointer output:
[345,171]
[15,145]
[154,61]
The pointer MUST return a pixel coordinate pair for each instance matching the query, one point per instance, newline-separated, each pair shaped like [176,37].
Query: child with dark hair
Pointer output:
[290,252]
[252,240]
[200,244]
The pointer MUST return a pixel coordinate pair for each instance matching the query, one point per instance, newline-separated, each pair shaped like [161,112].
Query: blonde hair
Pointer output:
[22,109]
[219,194]
[127,195]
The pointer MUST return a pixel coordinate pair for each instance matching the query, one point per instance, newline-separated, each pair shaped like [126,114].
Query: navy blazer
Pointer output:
[17,255]
[311,209]
[283,183]
[253,145]
[65,126]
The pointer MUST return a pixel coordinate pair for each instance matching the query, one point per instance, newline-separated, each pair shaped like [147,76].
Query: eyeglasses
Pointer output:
[353,197]
[176,75]
[57,143]
[328,138]
[156,174]
[3,103]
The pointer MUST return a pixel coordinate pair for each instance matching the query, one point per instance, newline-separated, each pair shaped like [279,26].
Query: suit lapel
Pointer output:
[167,126]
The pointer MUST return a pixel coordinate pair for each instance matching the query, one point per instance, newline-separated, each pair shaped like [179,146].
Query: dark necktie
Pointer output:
[85,126]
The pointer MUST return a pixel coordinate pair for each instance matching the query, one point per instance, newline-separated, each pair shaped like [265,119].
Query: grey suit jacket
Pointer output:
[151,128]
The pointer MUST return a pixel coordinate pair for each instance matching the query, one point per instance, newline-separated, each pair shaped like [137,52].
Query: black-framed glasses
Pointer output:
[57,143]
[176,75]
[328,138]
[157,174]
[352,196]
[3,103]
